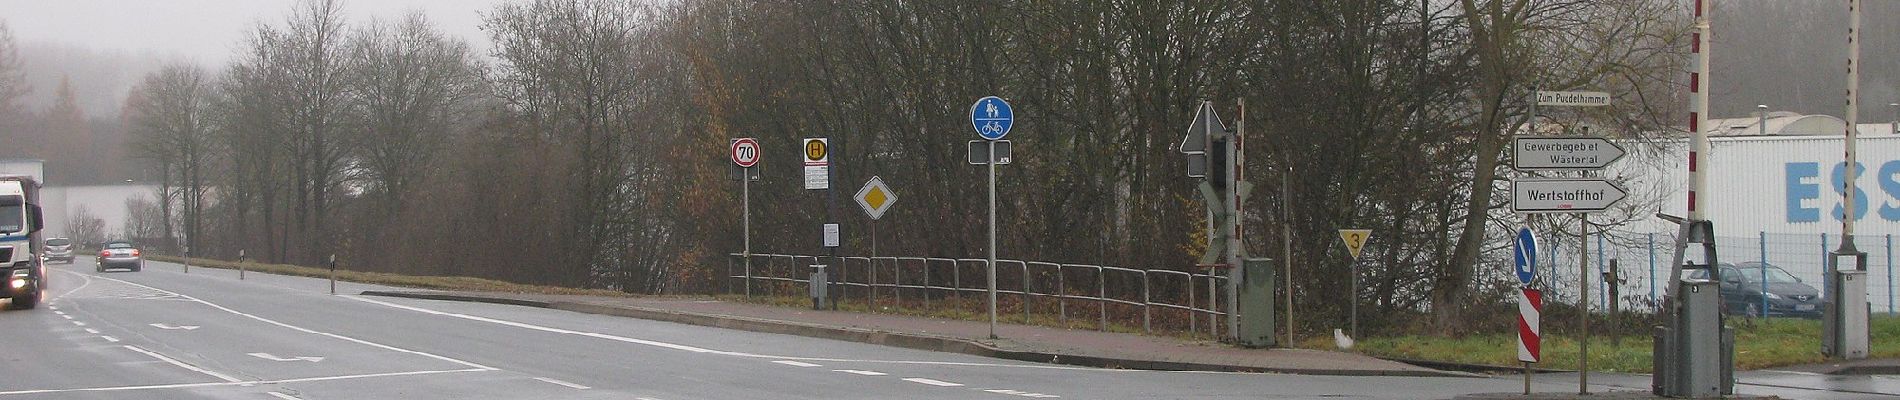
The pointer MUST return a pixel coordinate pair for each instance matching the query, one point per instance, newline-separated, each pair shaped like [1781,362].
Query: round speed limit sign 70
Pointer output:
[745,152]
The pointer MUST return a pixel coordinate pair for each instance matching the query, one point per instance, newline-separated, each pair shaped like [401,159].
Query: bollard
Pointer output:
[240,264]
[816,287]
[333,274]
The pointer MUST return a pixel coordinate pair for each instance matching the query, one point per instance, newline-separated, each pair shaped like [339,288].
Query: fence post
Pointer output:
[897,283]
[1193,317]
[953,270]
[870,285]
[1763,246]
[1101,296]
[956,279]
[1146,316]
[1025,293]
[1825,278]
[1062,297]
[1652,270]
[1890,273]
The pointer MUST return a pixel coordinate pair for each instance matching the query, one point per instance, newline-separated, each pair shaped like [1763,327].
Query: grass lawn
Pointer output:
[1764,344]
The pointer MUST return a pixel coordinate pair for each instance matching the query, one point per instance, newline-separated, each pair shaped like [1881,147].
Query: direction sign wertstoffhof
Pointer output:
[1564,195]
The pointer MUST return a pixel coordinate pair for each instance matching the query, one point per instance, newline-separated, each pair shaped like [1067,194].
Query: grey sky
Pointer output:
[206,31]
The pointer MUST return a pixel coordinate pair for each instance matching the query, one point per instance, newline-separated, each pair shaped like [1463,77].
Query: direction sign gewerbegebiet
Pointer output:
[1563,152]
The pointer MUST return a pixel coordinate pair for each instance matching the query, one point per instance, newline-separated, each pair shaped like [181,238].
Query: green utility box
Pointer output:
[1255,303]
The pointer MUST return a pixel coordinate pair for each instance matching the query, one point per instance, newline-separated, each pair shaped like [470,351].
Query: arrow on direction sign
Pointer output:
[268,356]
[172,327]
[1563,152]
[1564,195]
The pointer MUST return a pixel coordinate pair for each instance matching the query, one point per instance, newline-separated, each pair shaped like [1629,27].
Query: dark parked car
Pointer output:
[1787,295]
[120,255]
[59,249]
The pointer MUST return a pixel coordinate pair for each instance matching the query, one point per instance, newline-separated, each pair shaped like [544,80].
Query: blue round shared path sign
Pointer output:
[992,117]
[1524,255]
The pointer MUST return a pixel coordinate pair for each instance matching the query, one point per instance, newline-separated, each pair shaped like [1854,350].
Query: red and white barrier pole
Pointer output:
[1530,306]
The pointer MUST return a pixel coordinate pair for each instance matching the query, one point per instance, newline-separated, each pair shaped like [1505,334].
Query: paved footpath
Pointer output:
[1018,342]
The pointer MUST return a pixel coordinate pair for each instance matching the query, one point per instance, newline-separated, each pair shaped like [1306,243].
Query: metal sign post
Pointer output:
[745,155]
[992,117]
[1355,241]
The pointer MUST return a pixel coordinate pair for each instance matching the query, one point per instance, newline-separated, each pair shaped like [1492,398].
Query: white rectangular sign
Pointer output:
[831,235]
[1572,99]
[1564,195]
[1563,152]
[817,177]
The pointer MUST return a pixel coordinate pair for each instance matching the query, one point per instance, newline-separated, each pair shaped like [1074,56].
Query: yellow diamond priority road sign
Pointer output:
[875,198]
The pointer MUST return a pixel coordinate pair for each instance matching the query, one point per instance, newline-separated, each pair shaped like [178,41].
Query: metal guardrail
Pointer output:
[928,280]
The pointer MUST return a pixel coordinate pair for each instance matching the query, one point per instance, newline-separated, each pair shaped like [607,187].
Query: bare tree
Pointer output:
[12,78]
[175,126]
[414,86]
[85,228]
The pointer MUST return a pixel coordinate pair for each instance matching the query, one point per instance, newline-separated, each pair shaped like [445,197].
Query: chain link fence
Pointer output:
[1642,263]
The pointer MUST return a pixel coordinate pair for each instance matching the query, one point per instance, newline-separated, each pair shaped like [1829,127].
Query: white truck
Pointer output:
[20,241]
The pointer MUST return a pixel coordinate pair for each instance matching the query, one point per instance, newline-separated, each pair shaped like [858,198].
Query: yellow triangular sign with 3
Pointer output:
[1355,240]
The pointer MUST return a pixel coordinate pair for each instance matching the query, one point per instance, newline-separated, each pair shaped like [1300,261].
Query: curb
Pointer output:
[893,339]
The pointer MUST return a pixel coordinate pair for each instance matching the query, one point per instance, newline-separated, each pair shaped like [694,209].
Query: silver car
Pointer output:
[59,249]
[120,255]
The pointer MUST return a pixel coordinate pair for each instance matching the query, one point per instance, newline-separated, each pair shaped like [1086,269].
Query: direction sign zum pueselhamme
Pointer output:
[1563,152]
[1564,195]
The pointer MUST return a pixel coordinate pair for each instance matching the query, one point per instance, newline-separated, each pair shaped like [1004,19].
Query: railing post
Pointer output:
[1194,320]
[897,283]
[1062,298]
[1652,271]
[1147,316]
[956,279]
[1101,296]
[1025,292]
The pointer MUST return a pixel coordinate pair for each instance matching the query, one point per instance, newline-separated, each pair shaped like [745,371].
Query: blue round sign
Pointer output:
[992,117]
[1525,255]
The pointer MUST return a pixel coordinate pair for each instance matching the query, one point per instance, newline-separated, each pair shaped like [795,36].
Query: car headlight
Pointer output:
[1771,295]
[19,282]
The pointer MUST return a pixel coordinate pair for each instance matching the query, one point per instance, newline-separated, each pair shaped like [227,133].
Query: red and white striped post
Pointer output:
[1530,305]
[1698,111]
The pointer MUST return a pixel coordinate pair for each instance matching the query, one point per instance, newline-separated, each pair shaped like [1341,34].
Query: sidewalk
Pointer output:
[1019,342]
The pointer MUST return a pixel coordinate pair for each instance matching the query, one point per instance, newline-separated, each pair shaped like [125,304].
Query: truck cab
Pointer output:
[20,242]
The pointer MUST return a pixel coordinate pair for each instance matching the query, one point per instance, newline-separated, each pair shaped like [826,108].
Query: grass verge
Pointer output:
[1765,343]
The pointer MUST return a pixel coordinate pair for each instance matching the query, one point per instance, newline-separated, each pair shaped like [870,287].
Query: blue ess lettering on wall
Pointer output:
[1889,179]
[1860,196]
[1803,192]
[1799,189]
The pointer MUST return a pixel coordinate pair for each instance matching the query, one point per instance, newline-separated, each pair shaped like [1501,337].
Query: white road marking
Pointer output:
[174,327]
[56,311]
[933,382]
[110,339]
[797,364]
[268,356]
[865,373]
[79,323]
[1022,393]
[181,364]
[563,383]
[244,383]
[92,331]
[307,330]
[52,308]
[67,317]
[281,396]
[719,352]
